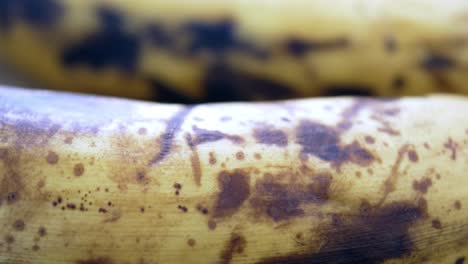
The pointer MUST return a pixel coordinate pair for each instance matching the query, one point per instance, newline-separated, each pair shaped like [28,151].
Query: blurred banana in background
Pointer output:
[192,51]
[340,181]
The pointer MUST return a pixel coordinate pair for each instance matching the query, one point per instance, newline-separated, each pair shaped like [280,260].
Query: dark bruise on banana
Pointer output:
[307,181]
[224,51]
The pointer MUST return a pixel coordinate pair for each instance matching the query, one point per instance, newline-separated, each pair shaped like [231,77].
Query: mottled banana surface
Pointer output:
[88,180]
[192,51]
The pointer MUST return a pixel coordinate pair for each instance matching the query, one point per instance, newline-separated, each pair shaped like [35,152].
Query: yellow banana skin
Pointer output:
[239,50]
[87,180]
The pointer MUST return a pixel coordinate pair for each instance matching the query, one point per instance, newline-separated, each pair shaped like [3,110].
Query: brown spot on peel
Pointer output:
[178,187]
[422,185]
[386,125]
[373,236]
[212,159]
[369,140]
[99,260]
[182,208]
[42,231]
[9,239]
[68,140]
[203,136]
[142,131]
[460,260]
[235,245]
[167,138]
[358,155]
[240,155]
[283,201]
[52,158]
[191,242]
[452,146]
[324,142]
[19,225]
[202,209]
[234,190]
[349,113]
[195,160]
[78,169]
[436,224]
[389,130]
[457,205]
[390,182]
[11,184]
[270,136]
[413,156]
[212,224]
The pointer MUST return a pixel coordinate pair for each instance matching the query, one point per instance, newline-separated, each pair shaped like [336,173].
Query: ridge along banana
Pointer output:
[192,51]
[88,180]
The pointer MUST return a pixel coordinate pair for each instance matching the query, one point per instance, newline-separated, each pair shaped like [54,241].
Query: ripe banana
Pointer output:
[87,180]
[206,50]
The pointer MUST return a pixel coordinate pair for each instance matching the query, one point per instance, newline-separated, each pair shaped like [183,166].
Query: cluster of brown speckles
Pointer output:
[41,232]
[71,206]
[177,187]
[58,201]
[182,208]
[85,203]
[202,209]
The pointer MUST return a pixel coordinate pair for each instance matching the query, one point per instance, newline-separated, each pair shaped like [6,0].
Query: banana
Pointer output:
[87,180]
[193,51]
